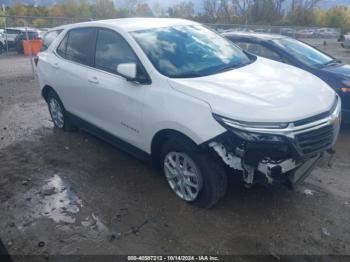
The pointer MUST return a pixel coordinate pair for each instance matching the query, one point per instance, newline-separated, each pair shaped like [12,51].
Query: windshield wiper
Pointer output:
[188,75]
[332,62]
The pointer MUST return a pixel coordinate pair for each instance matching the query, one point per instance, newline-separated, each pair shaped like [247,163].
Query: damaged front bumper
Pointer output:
[267,171]
[286,157]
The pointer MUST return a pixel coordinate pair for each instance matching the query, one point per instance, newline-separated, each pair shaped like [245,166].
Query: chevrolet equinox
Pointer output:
[178,94]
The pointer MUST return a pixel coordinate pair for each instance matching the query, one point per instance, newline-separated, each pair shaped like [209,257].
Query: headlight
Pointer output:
[346,86]
[238,127]
[255,137]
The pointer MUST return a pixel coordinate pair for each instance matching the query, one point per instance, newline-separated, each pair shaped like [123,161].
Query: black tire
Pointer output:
[214,177]
[1,49]
[68,125]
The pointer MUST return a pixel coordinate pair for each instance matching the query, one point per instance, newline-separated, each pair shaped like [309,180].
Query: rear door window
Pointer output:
[78,45]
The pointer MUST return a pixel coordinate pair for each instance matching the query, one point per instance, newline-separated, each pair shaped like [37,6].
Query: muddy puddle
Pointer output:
[58,201]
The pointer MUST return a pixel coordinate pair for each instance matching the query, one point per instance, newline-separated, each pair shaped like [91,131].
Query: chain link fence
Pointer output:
[22,35]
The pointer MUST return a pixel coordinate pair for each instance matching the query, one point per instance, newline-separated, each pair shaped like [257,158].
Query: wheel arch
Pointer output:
[46,90]
[161,137]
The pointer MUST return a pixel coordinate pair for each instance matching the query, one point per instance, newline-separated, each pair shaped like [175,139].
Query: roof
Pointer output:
[135,24]
[261,36]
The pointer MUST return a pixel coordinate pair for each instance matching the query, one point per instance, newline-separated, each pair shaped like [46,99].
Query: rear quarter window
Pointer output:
[49,37]
[61,49]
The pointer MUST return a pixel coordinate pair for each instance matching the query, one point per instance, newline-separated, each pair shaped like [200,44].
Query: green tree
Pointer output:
[183,10]
[158,10]
[143,10]
[265,12]
[301,12]
[84,9]
[39,22]
[103,9]
[338,16]
[320,17]
[18,10]
[1,19]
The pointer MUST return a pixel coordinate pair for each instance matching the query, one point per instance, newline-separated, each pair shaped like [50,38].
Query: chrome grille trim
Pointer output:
[316,140]
[292,132]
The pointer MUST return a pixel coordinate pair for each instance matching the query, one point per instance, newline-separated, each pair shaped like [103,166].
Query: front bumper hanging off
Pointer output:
[288,162]
[268,171]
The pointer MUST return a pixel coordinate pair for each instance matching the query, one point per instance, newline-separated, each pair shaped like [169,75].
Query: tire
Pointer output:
[58,113]
[1,49]
[211,175]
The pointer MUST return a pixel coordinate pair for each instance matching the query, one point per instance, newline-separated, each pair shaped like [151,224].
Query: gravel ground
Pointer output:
[70,193]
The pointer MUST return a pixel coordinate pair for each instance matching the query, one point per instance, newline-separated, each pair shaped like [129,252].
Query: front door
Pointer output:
[115,104]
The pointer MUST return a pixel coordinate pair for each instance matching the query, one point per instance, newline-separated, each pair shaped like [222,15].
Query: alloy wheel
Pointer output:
[183,175]
[56,113]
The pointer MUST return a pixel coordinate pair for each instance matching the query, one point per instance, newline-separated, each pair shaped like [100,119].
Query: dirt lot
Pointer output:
[70,193]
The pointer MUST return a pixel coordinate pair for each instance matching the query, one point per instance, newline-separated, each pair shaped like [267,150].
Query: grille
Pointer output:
[316,140]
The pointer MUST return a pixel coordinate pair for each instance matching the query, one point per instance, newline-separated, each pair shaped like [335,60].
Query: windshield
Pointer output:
[189,51]
[303,53]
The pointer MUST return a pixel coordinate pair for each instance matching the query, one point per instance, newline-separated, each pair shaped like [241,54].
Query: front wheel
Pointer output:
[193,176]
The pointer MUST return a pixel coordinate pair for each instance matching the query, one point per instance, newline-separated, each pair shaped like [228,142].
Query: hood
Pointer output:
[264,91]
[341,70]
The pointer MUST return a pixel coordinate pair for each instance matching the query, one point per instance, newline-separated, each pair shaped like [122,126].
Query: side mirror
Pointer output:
[128,70]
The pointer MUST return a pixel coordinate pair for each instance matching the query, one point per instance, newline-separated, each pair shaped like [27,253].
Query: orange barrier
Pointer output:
[34,44]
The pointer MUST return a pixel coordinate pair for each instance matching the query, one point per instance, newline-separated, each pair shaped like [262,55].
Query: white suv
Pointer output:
[174,92]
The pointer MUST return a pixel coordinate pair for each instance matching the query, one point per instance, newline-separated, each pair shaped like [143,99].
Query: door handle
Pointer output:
[55,65]
[93,80]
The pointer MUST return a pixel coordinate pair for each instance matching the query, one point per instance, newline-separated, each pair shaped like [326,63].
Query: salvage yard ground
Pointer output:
[70,193]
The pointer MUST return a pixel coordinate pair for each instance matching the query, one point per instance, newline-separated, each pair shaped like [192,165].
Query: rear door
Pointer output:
[69,65]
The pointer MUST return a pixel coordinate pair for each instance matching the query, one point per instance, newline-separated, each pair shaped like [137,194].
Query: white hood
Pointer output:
[264,91]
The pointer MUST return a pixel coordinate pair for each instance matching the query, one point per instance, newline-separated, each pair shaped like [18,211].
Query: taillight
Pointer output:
[36,60]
